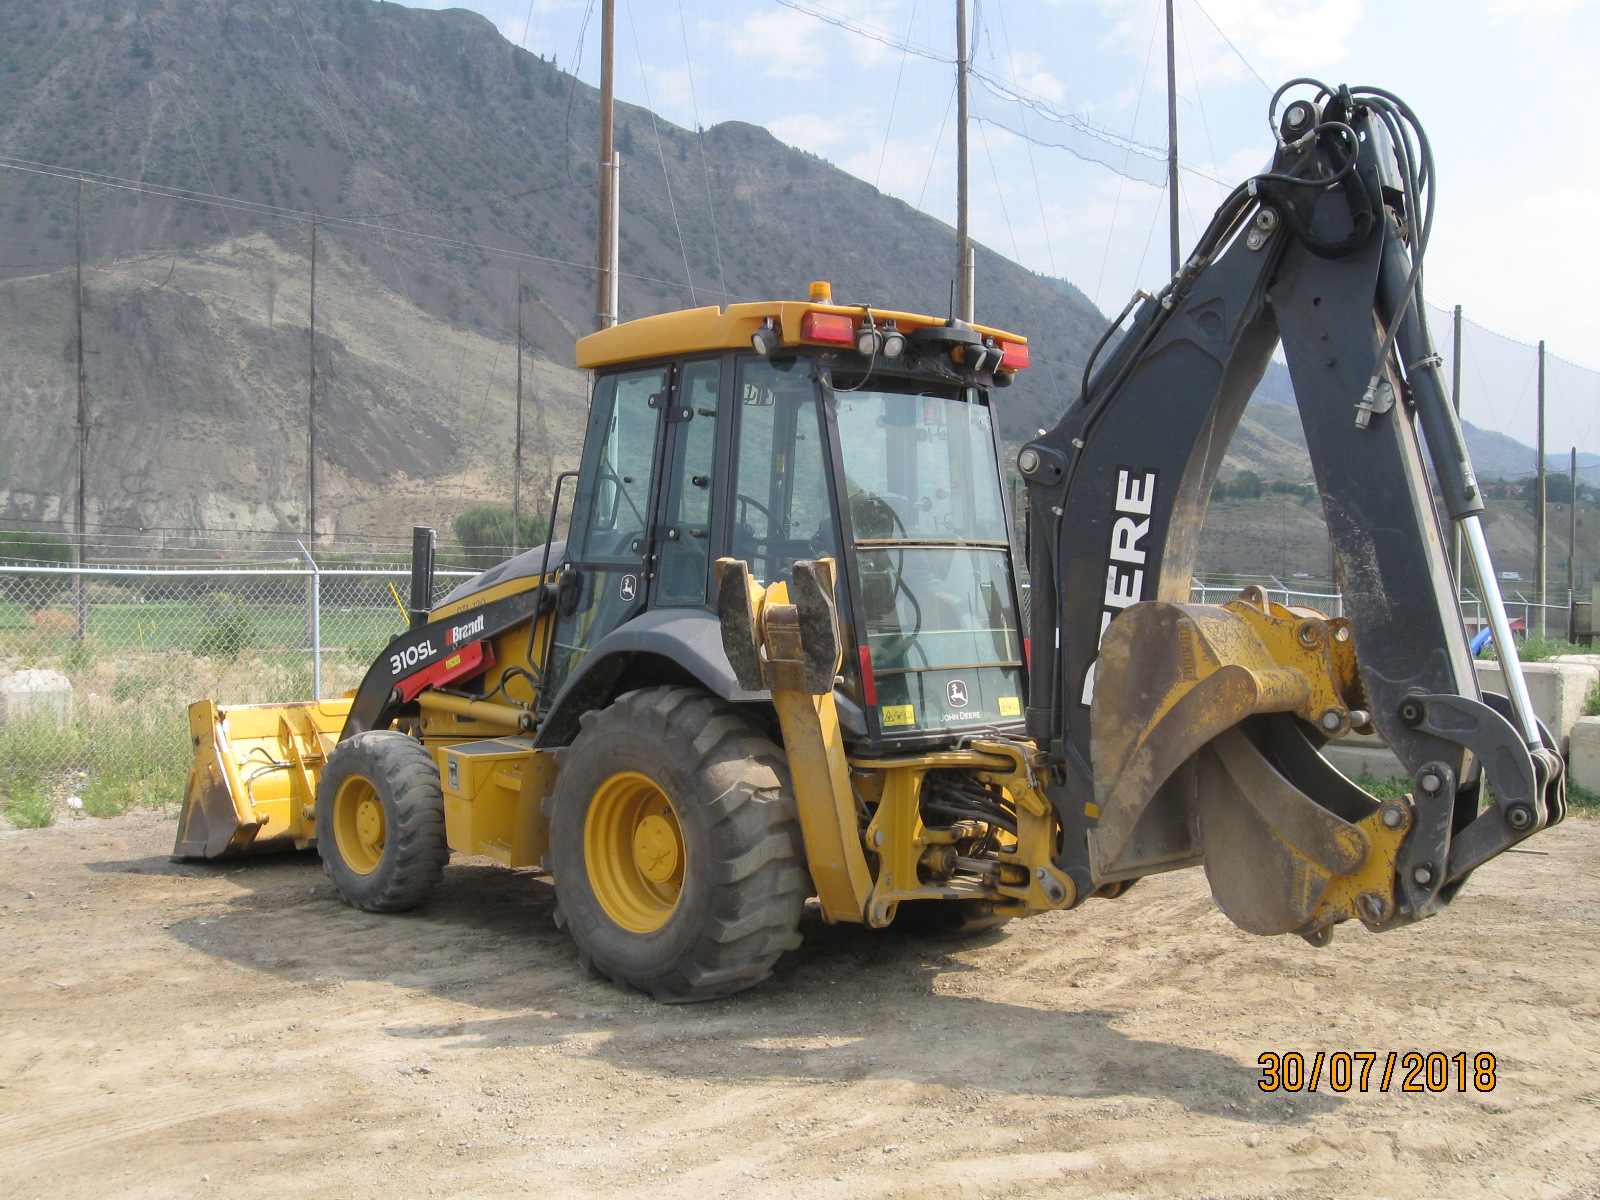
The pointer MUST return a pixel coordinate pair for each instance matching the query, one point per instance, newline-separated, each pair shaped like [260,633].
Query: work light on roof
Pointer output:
[765,339]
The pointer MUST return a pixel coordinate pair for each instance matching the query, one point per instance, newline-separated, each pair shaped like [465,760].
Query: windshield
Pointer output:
[919,463]
[936,609]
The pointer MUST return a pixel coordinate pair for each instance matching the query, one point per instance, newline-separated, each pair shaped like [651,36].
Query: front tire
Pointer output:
[676,847]
[380,821]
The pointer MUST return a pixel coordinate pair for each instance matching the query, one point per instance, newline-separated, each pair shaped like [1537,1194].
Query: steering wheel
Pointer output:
[743,531]
[876,519]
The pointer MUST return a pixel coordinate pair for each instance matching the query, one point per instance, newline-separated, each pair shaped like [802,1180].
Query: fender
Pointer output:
[664,644]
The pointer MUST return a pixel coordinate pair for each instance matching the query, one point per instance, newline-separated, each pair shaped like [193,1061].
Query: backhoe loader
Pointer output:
[781,655]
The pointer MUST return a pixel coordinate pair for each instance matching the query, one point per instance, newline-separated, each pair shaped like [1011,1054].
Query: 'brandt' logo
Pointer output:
[457,633]
[956,692]
[1125,576]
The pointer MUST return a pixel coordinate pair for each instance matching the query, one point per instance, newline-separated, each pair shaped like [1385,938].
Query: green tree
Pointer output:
[484,532]
[1557,490]
[1247,486]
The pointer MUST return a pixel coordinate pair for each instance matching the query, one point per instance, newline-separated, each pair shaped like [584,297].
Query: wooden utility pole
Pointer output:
[605,304]
[80,614]
[516,445]
[965,281]
[311,400]
[1172,138]
[1541,580]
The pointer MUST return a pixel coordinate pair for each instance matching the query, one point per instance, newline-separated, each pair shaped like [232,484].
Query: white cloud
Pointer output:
[1026,69]
[1505,266]
[1517,8]
[809,131]
[906,168]
[673,96]
[1274,35]
[779,43]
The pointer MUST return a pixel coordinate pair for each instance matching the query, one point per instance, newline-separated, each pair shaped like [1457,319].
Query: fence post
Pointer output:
[314,601]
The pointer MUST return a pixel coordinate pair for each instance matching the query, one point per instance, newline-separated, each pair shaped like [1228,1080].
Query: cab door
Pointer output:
[607,575]
[641,526]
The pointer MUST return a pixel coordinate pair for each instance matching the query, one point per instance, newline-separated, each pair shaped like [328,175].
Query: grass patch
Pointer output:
[1582,800]
[1395,788]
[1538,649]
[110,794]
[25,801]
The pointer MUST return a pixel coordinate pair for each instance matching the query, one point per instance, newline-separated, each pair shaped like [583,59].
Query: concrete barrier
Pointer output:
[1355,756]
[1559,690]
[1583,754]
[34,695]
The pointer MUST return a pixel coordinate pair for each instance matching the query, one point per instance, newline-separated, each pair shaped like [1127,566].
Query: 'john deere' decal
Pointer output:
[1125,577]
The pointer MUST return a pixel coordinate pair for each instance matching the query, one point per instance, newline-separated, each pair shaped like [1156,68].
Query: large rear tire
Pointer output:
[380,821]
[675,845]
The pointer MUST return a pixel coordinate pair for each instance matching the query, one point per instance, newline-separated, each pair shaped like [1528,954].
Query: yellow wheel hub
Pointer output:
[633,848]
[358,825]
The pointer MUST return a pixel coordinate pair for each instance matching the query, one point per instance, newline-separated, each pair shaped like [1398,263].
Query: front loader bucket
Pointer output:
[253,786]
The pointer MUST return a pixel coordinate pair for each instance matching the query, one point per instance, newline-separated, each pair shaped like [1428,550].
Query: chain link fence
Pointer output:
[98,666]
[1551,619]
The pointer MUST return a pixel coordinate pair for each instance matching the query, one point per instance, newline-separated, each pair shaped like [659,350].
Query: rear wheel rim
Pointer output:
[633,849]
[359,827]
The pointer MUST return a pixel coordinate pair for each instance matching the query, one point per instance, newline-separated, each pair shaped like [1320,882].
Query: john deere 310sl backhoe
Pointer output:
[780,657]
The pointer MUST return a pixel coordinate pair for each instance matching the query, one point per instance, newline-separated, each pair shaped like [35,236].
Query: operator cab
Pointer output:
[776,432]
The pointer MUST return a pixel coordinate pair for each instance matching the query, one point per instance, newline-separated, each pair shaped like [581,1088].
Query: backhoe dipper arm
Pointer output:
[1322,253]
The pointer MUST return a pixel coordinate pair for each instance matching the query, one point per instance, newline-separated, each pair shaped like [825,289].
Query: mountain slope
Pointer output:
[444,164]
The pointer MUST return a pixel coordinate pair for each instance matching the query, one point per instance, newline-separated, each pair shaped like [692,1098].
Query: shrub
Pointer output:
[228,626]
[484,532]
[25,802]
[111,794]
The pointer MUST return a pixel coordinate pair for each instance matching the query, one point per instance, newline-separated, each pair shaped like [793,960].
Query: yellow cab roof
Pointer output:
[696,330]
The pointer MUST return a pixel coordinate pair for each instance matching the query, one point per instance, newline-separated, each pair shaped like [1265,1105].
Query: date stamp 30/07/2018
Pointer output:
[1375,1071]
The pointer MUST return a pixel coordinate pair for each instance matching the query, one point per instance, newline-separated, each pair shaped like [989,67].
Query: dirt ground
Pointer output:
[233,1030]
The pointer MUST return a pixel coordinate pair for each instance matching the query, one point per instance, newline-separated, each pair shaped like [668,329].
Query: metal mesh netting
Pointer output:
[100,714]
[1500,392]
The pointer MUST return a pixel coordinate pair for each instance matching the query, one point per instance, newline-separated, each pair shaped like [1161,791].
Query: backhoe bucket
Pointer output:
[1289,845]
[253,786]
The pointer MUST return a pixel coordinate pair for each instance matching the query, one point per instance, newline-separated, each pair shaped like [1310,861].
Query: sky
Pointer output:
[1068,180]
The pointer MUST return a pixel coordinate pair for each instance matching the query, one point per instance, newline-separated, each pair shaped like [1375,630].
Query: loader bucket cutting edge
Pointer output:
[252,786]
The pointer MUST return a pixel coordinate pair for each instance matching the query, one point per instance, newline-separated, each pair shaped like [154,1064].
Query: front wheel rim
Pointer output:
[634,852]
[359,828]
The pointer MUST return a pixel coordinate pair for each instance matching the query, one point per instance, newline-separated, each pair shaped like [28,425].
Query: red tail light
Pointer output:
[828,327]
[1027,653]
[1015,357]
[869,682]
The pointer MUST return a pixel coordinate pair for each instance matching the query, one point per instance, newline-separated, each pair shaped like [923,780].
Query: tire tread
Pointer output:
[758,875]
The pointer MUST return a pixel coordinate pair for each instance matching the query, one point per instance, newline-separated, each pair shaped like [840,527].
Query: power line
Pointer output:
[1249,66]
[299,216]
[1001,89]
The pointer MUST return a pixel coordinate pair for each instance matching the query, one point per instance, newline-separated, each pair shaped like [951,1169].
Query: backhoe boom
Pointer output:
[1318,254]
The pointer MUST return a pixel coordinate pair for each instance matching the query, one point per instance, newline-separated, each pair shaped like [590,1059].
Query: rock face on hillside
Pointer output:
[421,138]
[445,166]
